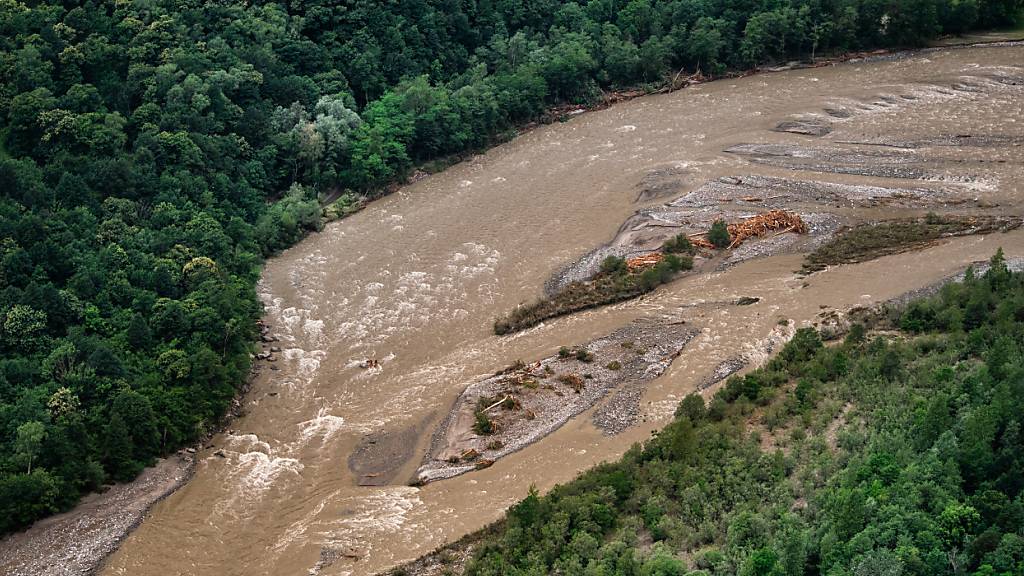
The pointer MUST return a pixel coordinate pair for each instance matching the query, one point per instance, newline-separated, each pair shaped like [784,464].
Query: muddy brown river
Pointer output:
[416,280]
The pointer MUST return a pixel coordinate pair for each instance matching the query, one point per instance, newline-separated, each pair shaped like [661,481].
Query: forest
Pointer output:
[896,451]
[153,153]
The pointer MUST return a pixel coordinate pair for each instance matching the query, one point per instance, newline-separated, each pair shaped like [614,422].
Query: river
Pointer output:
[417,278]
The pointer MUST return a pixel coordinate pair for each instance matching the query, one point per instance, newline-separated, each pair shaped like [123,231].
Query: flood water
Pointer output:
[416,280]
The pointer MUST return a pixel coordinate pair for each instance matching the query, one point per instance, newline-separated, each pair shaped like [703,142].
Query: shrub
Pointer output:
[856,334]
[483,425]
[678,244]
[719,234]
[649,279]
[613,265]
[678,263]
[692,407]
[584,355]
[573,381]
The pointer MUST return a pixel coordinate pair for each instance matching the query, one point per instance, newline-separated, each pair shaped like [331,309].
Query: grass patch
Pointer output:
[614,283]
[870,241]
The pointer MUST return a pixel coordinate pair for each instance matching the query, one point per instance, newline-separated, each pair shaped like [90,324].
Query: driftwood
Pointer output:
[645,261]
[778,221]
[762,224]
[675,84]
[498,403]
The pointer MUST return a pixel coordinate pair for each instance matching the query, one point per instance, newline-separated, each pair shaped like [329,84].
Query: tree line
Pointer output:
[153,153]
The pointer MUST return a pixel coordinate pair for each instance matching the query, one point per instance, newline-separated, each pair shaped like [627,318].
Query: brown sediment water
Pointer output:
[416,279]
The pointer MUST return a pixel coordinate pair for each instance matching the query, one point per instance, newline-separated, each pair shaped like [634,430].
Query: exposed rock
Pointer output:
[809,127]
[838,112]
[722,371]
[663,182]
[379,456]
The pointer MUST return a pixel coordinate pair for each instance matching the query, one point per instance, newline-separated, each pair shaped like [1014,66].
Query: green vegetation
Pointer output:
[678,244]
[870,241]
[899,454]
[584,355]
[154,153]
[719,234]
[614,283]
[482,423]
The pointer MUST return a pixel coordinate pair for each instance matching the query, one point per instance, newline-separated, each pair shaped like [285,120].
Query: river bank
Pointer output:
[78,541]
[75,542]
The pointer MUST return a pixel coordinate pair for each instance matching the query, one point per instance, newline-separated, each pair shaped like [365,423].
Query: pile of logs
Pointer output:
[773,221]
[700,241]
[778,221]
[643,262]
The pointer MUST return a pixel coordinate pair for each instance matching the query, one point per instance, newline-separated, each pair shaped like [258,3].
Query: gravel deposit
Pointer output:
[543,396]
[76,542]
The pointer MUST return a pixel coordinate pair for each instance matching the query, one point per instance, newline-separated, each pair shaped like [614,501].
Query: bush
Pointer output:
[692,407]
[573,381]
[678,244]
[719,234]
[584,355]
[483,424]
[613,265]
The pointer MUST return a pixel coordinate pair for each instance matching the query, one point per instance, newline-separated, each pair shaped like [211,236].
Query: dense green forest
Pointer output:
[887,454]
[152,153]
